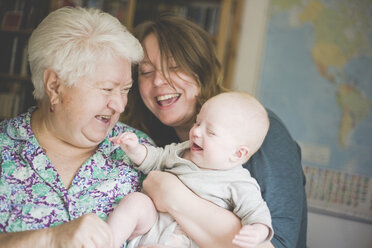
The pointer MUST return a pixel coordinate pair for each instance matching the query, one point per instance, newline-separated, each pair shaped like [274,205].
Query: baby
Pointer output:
[229,129]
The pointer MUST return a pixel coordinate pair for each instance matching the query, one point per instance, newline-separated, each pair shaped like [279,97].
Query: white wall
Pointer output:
[324,231]
[327,232]
[251,45]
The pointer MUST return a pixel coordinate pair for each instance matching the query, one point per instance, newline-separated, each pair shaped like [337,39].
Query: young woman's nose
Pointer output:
[159,78]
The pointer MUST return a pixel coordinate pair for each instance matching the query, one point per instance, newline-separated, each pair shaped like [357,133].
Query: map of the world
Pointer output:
[317,76]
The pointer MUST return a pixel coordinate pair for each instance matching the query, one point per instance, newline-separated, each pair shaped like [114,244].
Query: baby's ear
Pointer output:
[241,155]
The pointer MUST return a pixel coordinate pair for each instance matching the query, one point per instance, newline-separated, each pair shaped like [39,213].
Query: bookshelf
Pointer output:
[17,20]
[221,18]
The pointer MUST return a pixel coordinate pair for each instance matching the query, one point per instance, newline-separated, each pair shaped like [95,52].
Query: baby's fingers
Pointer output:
[119,139]
[243,241]
[114,140]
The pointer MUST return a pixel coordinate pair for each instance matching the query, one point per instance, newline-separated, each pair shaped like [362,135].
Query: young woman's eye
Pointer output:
[173,68]
[145,69]
[144,72]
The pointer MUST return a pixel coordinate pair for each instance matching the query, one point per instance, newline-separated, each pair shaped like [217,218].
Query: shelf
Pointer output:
[25,32]
[23,79]
[221,18]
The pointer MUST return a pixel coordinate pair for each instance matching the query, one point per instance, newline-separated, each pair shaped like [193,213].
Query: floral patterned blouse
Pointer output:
[32,194]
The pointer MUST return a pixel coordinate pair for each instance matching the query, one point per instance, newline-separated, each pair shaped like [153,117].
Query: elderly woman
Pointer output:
[60,175]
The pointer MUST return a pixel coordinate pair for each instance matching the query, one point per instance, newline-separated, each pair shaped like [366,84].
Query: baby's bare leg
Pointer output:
[134,216]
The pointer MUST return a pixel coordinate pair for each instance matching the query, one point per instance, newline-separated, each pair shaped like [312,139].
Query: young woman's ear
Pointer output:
[241,154]
[51,85]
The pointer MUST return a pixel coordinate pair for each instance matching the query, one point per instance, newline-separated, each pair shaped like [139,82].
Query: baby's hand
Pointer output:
[251,235]
[128,141]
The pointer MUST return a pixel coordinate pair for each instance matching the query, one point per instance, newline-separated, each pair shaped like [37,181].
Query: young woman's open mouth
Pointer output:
[168,99]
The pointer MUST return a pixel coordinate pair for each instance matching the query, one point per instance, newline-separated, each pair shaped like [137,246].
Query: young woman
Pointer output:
[179,73]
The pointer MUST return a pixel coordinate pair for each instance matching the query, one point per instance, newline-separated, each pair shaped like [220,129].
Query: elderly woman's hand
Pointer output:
[88,231]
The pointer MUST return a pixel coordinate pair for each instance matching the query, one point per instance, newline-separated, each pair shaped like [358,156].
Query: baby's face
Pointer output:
[213,140]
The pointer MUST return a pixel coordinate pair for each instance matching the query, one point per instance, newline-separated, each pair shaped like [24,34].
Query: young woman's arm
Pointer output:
[278,170]
[204,222]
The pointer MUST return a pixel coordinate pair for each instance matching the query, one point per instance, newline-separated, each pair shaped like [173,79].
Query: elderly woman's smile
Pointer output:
[104,118]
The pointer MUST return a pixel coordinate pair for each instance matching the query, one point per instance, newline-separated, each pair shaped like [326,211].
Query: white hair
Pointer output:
[74,41]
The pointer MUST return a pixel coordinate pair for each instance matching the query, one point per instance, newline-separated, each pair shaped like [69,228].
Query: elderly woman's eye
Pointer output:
[210,132]
[107,89]
[125,90]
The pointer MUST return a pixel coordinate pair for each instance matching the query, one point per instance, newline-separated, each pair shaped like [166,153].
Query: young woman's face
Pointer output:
[173,106]
[89,109]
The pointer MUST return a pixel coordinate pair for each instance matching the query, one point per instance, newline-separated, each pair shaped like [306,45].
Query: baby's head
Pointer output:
[229,129]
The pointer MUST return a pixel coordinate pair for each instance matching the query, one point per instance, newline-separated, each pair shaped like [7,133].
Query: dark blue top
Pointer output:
[278,170]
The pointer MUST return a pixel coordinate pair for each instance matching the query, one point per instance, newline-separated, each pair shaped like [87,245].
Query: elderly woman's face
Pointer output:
[90,109]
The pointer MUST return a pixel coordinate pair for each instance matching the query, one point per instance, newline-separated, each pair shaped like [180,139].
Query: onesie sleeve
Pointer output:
[159,158]
[249,205]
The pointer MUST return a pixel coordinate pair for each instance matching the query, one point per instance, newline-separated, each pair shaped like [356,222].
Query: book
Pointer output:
[13,55]
[24,67]
[6,105]
[35,11]
[6,48]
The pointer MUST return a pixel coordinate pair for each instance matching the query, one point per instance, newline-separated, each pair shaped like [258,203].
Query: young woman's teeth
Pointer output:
[167,99]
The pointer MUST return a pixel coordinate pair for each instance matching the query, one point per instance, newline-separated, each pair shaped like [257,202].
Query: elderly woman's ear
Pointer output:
[51,85]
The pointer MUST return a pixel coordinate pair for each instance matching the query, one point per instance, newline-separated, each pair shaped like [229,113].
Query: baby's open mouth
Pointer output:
[195,147]
[166,100]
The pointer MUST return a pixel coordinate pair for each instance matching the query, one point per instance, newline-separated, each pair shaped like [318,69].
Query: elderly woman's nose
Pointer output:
[117,102]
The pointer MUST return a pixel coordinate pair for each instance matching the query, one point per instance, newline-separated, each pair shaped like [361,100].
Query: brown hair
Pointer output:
[193,51]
